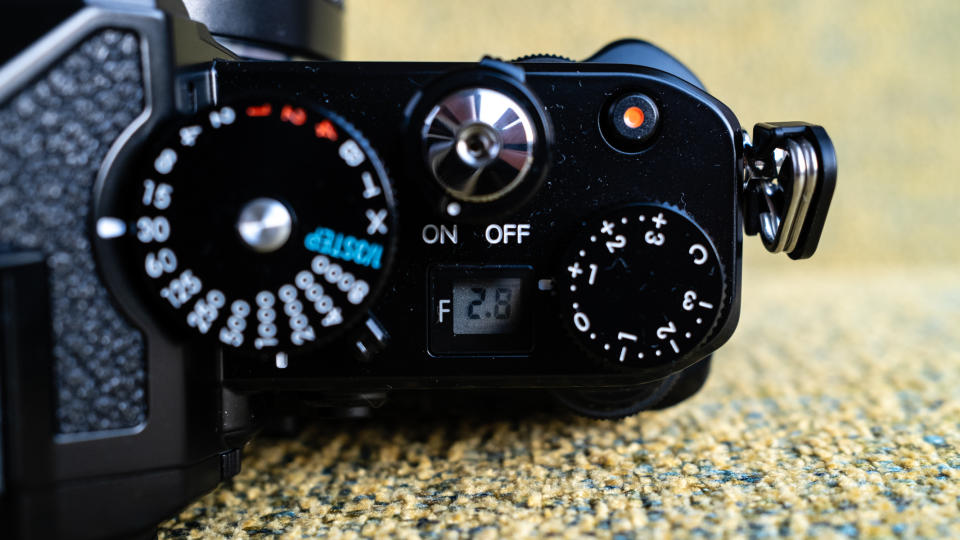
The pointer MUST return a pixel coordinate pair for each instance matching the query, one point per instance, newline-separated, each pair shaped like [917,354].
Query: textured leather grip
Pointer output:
[54,134]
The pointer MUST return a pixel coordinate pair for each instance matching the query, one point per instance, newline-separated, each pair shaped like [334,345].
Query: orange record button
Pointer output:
[259,110]
[633,117]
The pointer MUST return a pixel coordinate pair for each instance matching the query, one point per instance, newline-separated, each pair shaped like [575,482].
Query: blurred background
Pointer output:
[882,77]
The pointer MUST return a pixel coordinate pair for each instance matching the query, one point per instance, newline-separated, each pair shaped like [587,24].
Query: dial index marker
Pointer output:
[111,227]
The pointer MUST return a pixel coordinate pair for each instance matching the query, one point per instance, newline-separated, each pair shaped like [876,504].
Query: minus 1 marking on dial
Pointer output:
[673,345]
[706,305]
[110,227]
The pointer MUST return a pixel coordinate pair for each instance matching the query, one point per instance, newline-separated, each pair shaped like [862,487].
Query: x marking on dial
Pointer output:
[607,227]
[377,219]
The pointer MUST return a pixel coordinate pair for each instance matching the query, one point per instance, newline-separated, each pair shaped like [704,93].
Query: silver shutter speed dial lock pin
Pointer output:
[478,143]
[265,225]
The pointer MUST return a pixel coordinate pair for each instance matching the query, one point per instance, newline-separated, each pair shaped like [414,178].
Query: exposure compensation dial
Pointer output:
[641,286]
[264,225]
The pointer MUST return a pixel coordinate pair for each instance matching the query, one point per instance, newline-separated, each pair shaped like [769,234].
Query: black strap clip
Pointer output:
[791,172]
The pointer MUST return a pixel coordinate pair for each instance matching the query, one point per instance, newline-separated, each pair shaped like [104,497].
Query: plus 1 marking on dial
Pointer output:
[641,285]
[262,225]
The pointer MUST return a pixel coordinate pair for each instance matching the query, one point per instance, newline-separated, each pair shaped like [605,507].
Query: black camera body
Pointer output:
[186,235]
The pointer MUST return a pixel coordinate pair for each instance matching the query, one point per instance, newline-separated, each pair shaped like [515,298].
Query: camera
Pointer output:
[197,229]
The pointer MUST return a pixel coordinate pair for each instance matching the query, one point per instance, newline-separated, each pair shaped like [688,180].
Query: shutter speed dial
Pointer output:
[263,225]
[641,287]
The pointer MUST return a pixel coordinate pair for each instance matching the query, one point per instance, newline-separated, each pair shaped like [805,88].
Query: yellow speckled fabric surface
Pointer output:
[837,417]
[833,412]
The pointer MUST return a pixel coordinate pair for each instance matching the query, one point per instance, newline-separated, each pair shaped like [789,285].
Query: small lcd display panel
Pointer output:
[478,310]
[489,306]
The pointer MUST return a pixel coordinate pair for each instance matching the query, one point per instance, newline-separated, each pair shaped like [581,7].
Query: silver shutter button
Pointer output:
[479,144]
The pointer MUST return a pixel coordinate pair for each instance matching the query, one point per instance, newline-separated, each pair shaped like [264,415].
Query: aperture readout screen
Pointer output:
[480,310]
[486,306]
